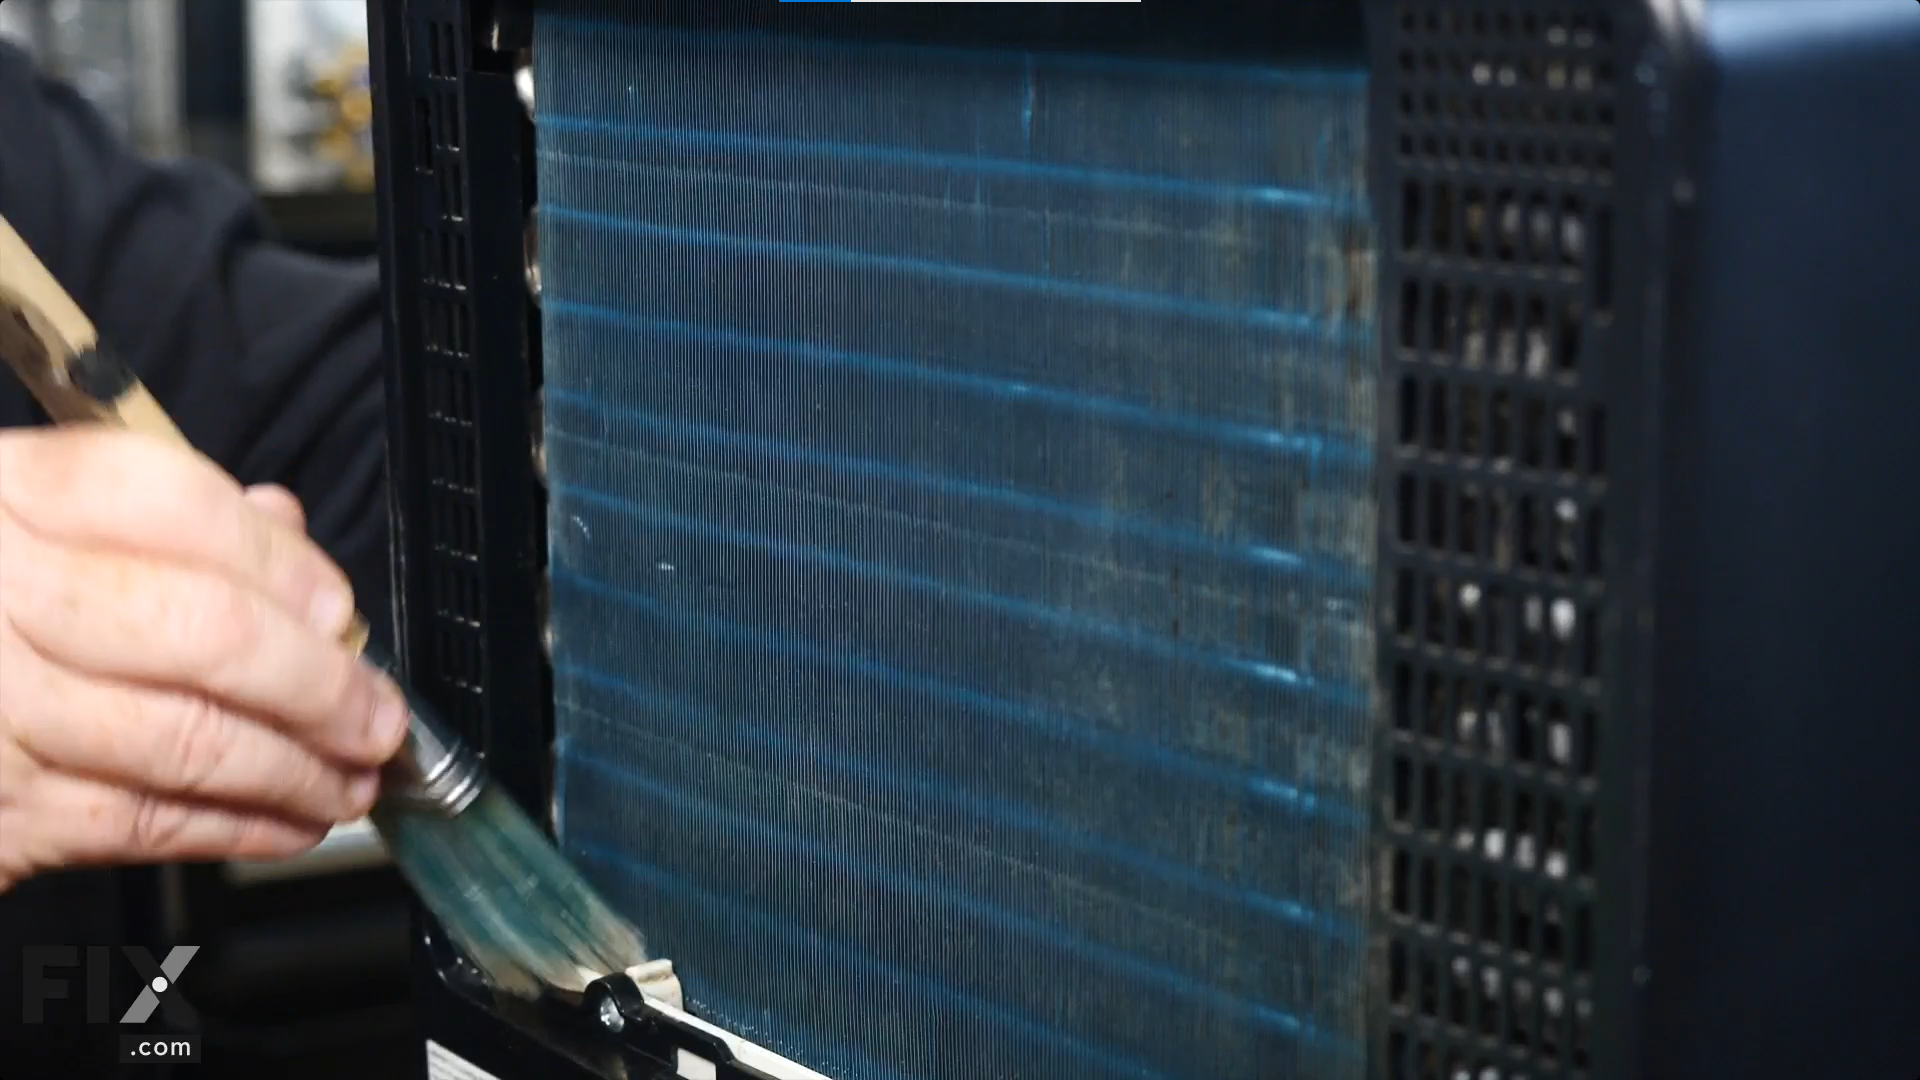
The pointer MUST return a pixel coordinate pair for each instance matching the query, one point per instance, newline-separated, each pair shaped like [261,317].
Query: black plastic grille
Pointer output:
[450,432]
[1495,143]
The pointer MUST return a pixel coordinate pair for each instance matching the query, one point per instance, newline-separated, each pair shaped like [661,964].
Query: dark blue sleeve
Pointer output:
[268,359]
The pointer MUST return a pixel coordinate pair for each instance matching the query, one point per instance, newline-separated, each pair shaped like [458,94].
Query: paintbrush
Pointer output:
[498,887]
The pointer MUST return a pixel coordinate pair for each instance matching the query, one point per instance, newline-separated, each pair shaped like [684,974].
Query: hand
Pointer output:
[172,686]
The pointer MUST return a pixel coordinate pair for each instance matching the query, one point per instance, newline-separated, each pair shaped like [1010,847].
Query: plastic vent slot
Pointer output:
[1499,132]
[451,451]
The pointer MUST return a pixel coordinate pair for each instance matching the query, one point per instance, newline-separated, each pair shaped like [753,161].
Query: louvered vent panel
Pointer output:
[1499,133]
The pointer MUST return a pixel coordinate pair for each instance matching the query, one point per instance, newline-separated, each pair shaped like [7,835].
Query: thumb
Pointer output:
[279,504]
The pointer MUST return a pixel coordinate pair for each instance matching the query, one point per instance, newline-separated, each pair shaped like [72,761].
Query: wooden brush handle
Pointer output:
[54,349]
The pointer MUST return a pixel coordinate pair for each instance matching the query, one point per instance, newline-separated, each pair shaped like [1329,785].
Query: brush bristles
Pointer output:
[507,898]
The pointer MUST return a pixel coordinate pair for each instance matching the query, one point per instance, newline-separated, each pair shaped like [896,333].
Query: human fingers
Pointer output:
[125,619]
[89,486]
[279,504]
[74,821]
[170,743]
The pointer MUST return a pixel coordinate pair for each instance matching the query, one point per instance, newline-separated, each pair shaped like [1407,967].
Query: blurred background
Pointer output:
[275,90]
[303,966]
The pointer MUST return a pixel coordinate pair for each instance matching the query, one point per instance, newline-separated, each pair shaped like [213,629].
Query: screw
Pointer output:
[610,1017]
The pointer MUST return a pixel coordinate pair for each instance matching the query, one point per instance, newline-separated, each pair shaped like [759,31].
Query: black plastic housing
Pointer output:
[1644,458]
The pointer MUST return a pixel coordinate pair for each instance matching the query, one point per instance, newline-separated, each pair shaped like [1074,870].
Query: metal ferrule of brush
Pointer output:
[434,771]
